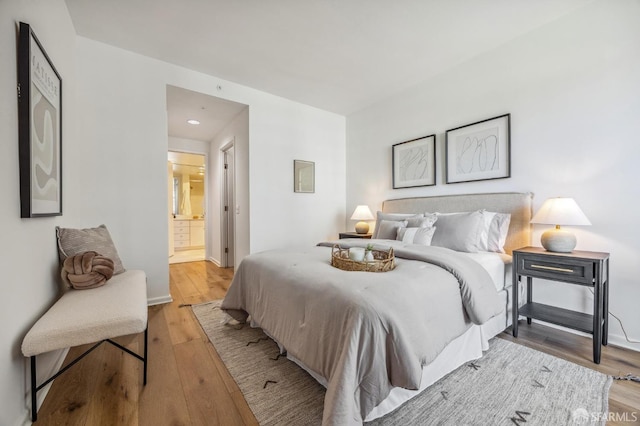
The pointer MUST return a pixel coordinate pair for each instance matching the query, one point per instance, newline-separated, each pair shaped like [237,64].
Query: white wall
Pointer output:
[573,92]
[188,145]
[28,256]
[114,171]
[124,120]
[280,217]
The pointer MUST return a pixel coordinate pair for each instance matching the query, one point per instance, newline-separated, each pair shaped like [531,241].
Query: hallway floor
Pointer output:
[182,256]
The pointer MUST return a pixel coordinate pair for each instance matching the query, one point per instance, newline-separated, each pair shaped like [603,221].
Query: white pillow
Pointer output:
[420,236]
[393,217]
[388,229]
[494,231]
[459,231]
[422,222]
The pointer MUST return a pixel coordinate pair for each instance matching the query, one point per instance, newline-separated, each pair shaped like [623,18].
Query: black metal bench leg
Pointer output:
[34,390]
[144,361]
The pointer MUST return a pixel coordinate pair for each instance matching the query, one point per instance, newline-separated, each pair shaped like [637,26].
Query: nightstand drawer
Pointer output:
[342,235]
[564,269]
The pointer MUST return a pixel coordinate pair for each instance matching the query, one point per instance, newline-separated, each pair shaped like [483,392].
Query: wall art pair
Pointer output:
[473,152]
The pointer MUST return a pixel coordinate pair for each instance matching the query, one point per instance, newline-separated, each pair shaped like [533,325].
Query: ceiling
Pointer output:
[212,113]
[337,55]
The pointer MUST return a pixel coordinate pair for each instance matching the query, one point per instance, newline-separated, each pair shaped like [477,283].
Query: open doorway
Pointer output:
[206,124]
[187,206]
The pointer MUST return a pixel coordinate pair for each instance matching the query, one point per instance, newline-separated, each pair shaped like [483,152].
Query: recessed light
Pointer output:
[192,121]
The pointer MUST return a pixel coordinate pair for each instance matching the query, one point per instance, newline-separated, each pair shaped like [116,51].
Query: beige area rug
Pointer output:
[511,384]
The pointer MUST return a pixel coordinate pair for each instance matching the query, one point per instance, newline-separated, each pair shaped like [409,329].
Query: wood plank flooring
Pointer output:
[189,385]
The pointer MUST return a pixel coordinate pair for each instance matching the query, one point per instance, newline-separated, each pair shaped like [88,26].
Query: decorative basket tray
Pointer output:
[384,261]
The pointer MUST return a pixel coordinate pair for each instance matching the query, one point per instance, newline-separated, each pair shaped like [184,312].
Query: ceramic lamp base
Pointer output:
[362,227]
[558,240]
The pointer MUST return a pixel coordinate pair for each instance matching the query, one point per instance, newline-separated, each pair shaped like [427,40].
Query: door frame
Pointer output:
[225,238]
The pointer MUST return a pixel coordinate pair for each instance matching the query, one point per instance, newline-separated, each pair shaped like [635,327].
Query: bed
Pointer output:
[375,340]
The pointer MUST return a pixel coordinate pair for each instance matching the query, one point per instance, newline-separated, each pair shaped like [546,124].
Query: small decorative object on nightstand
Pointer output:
[353,235]
[559,211]
[362,213]
[586,268]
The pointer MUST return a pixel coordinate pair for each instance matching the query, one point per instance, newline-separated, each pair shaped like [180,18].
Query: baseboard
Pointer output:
[614,339]
[620,341]
[54,366]
[24,419]
[159,300]
[214,261]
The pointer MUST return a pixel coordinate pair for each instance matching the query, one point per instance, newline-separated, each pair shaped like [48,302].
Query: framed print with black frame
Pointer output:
[40,128]
[479,151]
[414,162]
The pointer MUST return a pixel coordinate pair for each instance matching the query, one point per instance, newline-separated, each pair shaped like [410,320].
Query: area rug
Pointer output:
[510,384]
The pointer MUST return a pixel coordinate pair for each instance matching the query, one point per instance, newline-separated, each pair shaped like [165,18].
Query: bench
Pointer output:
[118,308]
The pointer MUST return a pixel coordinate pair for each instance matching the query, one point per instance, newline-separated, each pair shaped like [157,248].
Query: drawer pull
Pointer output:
[551,268]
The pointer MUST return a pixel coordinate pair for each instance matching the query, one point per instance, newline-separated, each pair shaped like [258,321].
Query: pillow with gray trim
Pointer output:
[422,236]
[75,241]
[393,217]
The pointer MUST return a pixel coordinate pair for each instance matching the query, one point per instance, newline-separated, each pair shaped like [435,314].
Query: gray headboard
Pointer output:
[518,204]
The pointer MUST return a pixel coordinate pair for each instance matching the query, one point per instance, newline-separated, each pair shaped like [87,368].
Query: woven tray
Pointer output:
[384,261]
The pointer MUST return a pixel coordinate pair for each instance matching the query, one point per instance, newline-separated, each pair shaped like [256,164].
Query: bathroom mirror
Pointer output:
[186,179]
[303,176]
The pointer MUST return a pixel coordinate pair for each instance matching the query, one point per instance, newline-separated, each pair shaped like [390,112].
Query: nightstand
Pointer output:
[586,268]
[354,235]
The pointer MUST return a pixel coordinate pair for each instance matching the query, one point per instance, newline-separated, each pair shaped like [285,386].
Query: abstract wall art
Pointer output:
[479,151]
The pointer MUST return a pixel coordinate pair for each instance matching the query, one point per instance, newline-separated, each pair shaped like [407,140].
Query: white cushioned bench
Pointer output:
[118,308]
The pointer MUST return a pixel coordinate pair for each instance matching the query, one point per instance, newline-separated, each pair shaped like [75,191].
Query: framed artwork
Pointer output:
[40,128]
[414,162]
[304,176]
[479,151]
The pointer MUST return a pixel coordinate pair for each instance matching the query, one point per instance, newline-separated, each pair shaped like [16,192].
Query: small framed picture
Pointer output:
[414,162]
[479,151]
[40,129]
[304,176]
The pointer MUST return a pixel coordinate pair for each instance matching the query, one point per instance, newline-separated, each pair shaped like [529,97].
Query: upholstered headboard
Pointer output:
[518,204]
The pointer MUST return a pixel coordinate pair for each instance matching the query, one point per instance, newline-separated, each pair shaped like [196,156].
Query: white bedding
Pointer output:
[498,265]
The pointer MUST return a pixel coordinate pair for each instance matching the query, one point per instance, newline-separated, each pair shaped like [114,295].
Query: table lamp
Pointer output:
[559,211]
[362,213]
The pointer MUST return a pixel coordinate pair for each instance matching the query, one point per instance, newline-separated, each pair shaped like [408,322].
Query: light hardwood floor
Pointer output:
[189,385]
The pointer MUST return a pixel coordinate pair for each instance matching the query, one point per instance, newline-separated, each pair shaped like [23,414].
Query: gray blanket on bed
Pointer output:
[364,332]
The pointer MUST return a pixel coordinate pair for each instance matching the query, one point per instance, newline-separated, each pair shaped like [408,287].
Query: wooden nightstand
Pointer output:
[587,268]
[353,235]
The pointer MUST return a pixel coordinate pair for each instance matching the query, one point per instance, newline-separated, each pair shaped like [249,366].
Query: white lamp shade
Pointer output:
[560,211]
[362,213]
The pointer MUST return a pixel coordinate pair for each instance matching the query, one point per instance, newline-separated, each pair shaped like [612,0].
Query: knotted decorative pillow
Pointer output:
[87,270]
